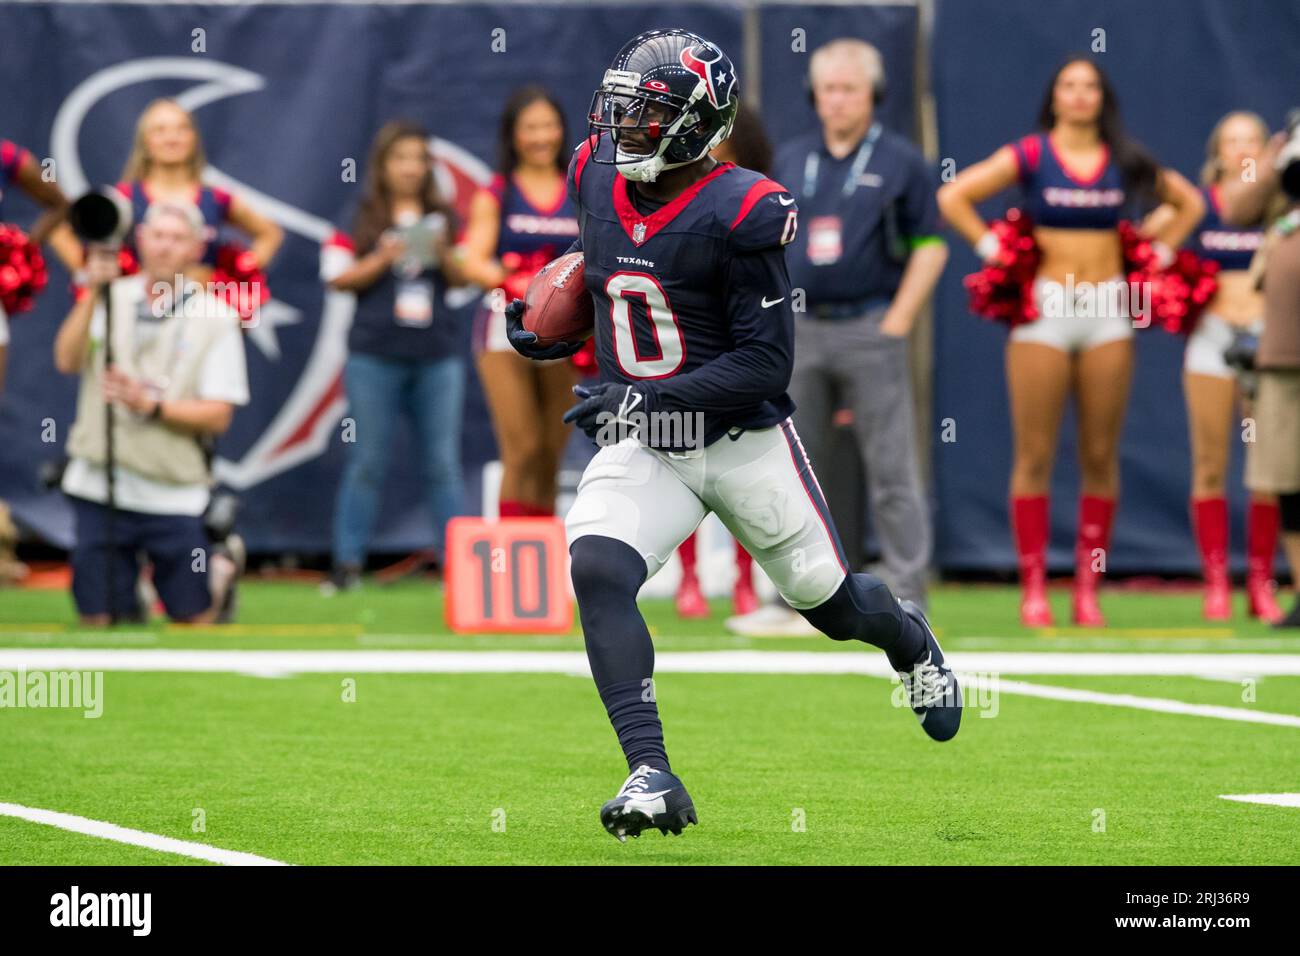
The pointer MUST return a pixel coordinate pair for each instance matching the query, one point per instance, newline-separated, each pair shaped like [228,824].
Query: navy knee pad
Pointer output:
[607,574]
[862,609]
[605,568]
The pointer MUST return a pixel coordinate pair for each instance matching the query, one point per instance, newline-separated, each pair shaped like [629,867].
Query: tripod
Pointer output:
[110,466]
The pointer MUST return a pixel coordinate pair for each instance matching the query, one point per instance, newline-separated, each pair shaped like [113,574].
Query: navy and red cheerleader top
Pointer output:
[1232,247]
[12,157]
[531,230]
[213,204]
[1056,198]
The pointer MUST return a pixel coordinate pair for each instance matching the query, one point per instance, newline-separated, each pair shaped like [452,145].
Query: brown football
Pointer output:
[556,305]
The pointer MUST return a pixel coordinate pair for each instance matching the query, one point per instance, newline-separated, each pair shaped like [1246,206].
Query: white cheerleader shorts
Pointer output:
[1077,317]
[1206,345]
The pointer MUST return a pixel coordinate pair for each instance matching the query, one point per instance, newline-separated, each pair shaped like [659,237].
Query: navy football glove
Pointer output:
[609,406]
[525,342]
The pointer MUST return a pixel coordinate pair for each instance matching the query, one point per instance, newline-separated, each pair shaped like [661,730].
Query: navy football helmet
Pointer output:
[669,97]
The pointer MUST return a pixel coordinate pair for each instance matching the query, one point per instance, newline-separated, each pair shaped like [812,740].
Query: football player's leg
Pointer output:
[630,515]
[768,496]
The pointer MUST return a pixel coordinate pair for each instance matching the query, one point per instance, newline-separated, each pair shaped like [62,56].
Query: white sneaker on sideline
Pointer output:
[771,620]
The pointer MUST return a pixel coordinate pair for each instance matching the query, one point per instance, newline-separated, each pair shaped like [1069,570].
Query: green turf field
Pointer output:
[365,766]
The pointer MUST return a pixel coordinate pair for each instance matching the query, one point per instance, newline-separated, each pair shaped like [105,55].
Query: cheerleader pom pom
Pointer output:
[1172,297]
[127,263]
[23,275]
[1003,291]
[241,280]
[584,360]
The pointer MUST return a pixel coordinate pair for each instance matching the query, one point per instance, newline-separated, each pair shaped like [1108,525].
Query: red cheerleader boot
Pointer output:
[743,598]
[1210,518]
[1035,610]
[1095,516]
[690,599]
[1262,524]
[1029,523]
[1084,609]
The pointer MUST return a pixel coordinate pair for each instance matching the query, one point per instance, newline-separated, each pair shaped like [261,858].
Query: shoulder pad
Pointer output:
[765,216]
[578,164]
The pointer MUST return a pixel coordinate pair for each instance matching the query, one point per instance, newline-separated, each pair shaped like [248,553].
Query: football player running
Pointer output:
[684,258]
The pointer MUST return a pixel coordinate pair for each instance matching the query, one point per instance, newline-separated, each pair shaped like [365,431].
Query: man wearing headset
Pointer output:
[867,258]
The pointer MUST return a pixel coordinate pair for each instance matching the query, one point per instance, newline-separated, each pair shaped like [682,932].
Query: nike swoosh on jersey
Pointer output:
[768,305]
[785,202]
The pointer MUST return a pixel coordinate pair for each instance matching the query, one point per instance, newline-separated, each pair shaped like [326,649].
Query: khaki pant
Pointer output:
[1273,458]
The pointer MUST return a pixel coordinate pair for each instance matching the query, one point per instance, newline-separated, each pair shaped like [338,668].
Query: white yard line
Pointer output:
[150,841]
[1272,799]
[1159,704]
[869,662]
[980,671]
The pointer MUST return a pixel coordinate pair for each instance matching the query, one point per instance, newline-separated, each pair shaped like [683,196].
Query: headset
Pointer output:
[878,84]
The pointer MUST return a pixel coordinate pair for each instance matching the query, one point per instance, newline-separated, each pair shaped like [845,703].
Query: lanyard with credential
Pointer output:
[813,163]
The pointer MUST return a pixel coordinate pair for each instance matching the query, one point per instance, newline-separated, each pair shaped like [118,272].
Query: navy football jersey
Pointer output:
[692,298]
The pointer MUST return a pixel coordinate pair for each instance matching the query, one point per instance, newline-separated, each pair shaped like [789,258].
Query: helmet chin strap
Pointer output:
[643,171]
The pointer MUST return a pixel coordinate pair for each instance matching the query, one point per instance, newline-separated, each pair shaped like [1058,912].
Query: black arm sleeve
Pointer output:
[758,366]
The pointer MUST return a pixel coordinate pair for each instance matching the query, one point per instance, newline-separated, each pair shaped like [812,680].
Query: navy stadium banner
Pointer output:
[1177,66]
[284,93]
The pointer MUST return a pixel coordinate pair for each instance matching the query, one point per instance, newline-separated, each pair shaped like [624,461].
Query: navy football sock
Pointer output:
[607,574]
[635,715]
[864,610]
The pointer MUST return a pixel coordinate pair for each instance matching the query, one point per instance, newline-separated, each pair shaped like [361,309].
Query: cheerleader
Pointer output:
[19,168]
[1209,383]
[1080,172]
[166,163]
[523,219]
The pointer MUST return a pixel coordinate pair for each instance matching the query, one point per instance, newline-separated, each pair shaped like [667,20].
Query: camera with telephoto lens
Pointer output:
[1240,356]
[102,216]
[219,517]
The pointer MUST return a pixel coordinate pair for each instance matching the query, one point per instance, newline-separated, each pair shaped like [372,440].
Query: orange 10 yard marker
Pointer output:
[507,576]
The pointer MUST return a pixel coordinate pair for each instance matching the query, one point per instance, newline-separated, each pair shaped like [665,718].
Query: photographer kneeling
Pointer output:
[176,375]
[1273,458]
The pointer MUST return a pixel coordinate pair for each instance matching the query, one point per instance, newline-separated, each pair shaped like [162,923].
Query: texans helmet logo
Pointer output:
[703,61]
